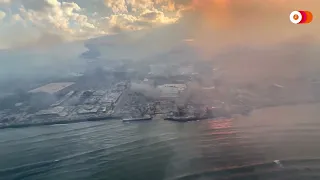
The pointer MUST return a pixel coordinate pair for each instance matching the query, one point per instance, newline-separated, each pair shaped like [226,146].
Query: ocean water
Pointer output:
[271,143]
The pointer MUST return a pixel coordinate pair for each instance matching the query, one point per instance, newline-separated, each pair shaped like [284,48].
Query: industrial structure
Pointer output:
[53,88]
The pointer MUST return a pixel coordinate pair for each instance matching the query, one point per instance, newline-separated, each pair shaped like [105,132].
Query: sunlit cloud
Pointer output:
[70,21]
[2,15]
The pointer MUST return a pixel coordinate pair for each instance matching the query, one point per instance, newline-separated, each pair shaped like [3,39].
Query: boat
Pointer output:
[134,119]
[184,118]
[101,118]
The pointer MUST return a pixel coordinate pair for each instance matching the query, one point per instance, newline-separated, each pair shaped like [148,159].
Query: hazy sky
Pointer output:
[152,27]
[38,22]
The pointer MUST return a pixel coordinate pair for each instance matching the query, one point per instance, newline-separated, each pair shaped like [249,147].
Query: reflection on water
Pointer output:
[220,124]
[240,148]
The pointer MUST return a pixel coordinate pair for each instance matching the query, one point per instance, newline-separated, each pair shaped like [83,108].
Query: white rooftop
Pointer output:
[52,87]
[52,111]
[171,90]
[85,109]
[179,87]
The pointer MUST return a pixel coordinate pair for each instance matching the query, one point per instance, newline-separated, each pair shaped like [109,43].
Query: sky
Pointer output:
[51,21]
[42,22]
[145,28]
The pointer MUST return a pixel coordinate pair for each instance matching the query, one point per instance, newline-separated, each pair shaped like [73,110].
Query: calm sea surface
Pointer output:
[242,148]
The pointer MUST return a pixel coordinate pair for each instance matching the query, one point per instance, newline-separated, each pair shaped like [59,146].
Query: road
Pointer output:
[121,101]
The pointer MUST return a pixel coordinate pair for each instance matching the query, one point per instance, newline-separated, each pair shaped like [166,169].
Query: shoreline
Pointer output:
[105,118]
[62,121]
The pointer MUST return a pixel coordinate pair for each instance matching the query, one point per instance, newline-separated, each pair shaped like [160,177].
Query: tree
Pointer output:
[181,110]
[112,105]
[209,112]
[142,110]
[154,108]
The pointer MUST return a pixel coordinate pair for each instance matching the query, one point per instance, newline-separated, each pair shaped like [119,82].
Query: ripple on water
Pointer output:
[242,148]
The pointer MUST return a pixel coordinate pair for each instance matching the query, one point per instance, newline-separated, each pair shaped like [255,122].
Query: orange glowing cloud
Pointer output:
[218,24]
[227,13]
[214,11]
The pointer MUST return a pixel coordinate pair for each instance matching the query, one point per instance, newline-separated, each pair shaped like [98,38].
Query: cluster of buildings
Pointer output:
[63,102]
[133,89]
[158,91]
[171,90]
[162,90]
[171,69]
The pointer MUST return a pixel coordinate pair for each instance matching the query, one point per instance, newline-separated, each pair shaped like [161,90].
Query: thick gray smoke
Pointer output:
[146,89]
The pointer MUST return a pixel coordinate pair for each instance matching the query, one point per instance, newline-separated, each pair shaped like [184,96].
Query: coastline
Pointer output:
[110,117]
[60,121]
